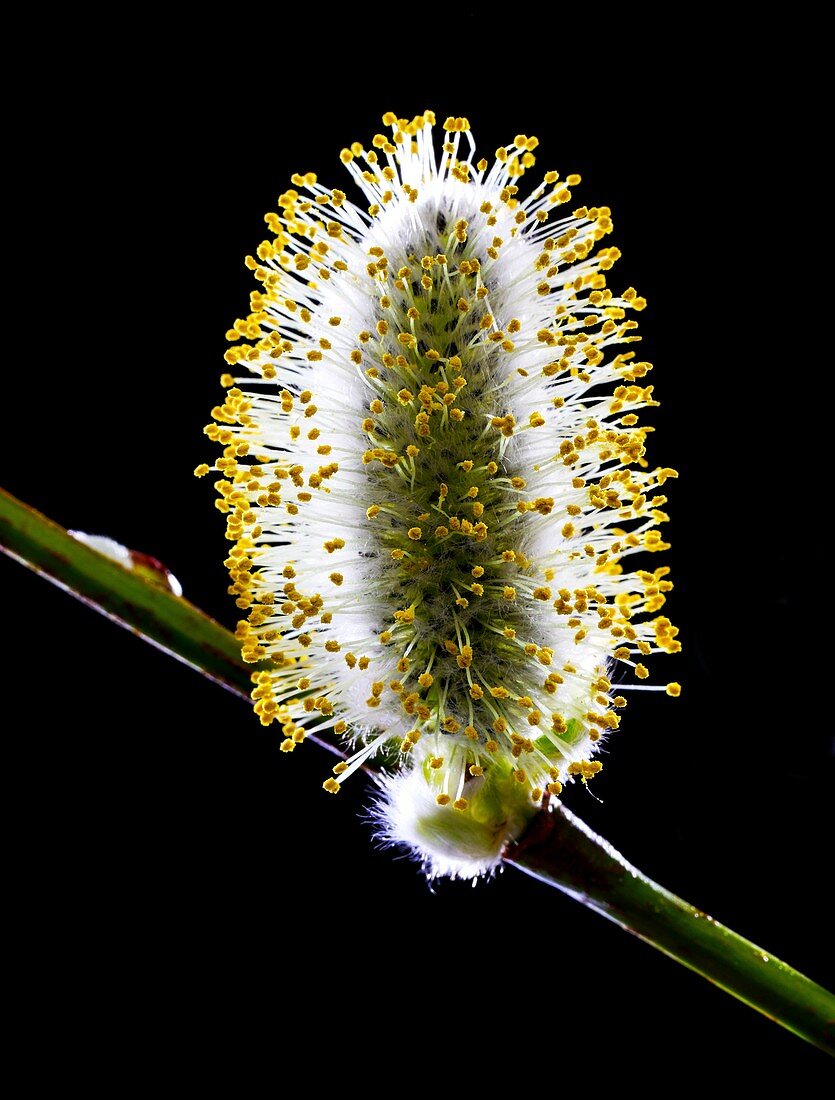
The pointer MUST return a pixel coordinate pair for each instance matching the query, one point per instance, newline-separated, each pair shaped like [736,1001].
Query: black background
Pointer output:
[171,866]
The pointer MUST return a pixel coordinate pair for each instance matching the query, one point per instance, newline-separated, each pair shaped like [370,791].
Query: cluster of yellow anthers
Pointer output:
[433,478]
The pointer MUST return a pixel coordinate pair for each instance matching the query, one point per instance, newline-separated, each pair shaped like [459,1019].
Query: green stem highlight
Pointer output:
[559,849]
[168,622]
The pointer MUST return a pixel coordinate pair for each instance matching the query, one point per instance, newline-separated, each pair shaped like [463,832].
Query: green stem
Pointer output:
[168,622]
[562,851]
[559,849]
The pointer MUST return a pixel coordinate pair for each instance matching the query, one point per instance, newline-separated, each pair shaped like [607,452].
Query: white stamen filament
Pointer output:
[433,488]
